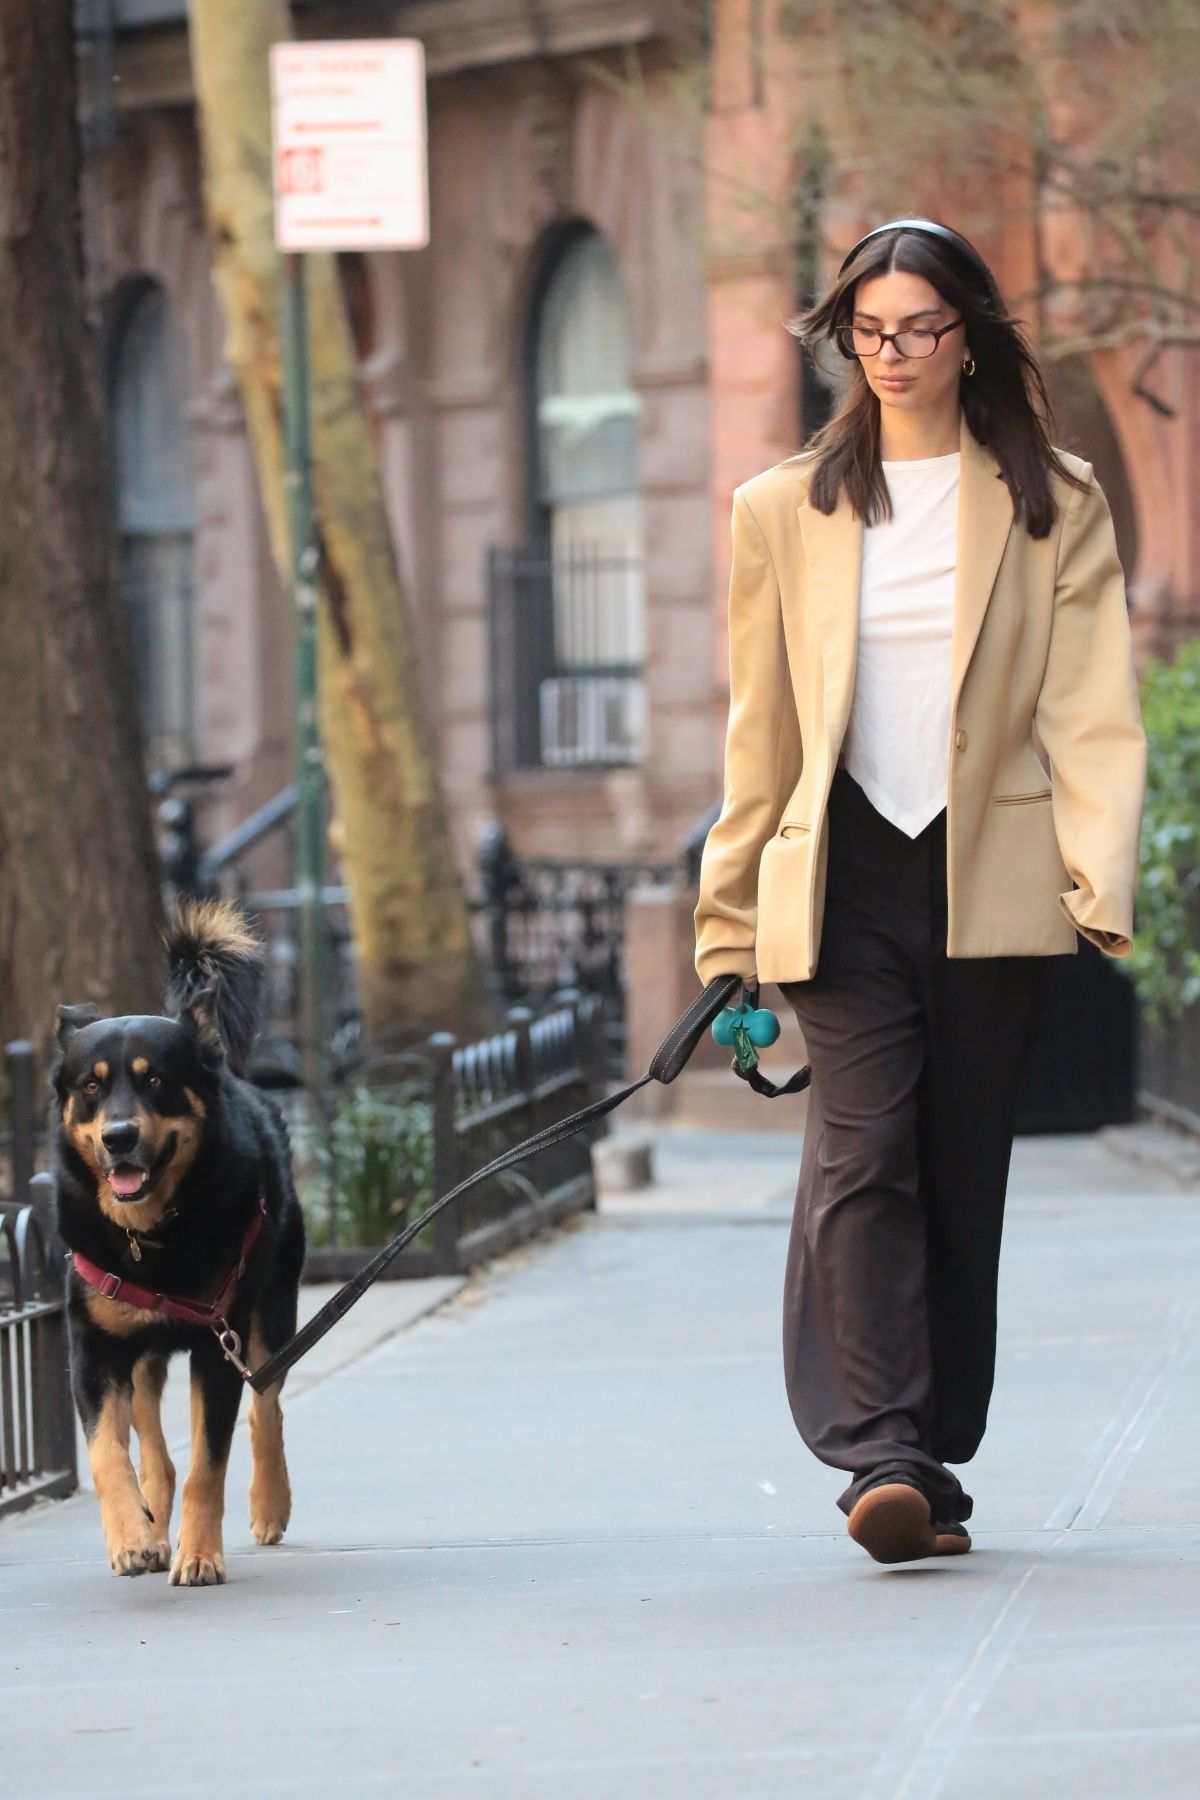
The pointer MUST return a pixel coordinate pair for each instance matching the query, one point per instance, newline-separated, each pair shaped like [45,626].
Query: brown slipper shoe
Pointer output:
[951,1538]
[893,1523]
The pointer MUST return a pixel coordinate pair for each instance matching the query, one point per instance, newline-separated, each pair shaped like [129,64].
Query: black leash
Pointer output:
[666,1063]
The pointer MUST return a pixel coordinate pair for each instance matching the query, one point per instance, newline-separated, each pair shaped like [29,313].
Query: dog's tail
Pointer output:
[216,970]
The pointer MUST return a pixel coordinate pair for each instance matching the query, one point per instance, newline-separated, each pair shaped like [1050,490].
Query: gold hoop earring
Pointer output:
[969,366]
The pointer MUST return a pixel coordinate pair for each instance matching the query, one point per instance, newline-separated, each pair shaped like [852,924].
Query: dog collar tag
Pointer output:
[134,1246]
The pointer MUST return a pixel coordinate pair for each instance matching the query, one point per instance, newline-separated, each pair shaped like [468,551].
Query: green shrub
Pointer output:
[377,1169]
[1164,964]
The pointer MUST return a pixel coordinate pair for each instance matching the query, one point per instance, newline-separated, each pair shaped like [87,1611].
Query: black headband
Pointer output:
[932,229]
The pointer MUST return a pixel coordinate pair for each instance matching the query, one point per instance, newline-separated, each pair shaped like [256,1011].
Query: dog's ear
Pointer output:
[73,1018]
[200,1011]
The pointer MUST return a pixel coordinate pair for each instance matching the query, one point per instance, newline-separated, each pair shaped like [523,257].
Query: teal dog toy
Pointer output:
[747,1029]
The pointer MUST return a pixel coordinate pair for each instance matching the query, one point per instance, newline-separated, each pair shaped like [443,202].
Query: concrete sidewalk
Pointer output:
[559,1539]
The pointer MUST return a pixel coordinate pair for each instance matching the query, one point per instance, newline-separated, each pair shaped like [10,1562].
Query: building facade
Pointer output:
[565,387]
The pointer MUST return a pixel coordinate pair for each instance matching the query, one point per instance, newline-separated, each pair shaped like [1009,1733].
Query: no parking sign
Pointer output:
[351,166]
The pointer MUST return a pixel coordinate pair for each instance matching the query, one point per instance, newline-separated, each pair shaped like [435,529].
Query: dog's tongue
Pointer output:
[126,1181]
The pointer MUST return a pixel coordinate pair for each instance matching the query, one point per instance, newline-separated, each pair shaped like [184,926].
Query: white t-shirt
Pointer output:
[897,739]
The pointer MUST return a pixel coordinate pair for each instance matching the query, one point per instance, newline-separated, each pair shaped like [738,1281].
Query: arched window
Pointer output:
[155,519]
[587,510]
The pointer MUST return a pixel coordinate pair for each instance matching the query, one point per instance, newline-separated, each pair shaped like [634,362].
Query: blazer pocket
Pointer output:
[793,828]
[1020,799]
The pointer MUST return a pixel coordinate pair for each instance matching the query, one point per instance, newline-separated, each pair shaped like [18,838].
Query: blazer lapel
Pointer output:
[985,516]
[833,545]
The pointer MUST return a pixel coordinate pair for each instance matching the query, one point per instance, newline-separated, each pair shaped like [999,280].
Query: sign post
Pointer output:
[309,775]
[351,173]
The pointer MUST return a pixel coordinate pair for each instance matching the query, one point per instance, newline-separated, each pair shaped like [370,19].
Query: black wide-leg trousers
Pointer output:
[890,1303]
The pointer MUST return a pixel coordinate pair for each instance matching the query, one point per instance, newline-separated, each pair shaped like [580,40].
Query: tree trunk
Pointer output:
[79,884]
[408,908]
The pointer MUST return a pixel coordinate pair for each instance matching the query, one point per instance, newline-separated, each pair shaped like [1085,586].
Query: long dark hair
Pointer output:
[1005,400]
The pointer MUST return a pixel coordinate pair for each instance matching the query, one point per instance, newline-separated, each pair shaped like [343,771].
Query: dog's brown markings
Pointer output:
[85,1135]
[270,1489]
[100,1070]
[188,1133]
[141,1215]
[200,1554]
[156,1477]
[117,1318]
[140,1065]
[130,1215]
[131,1538]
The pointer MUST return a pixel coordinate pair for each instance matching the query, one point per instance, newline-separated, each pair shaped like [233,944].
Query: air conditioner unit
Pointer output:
[593,719]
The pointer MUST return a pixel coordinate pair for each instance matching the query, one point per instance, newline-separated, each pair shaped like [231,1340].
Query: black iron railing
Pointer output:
[454,1107]
[37,1424]
[551,921]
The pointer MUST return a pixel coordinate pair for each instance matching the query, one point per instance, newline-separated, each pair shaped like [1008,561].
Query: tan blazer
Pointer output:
[1041,634]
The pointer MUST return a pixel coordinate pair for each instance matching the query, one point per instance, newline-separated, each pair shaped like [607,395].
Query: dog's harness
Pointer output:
[179,1306]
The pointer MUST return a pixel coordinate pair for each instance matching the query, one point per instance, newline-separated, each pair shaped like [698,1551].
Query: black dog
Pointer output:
[174,1180]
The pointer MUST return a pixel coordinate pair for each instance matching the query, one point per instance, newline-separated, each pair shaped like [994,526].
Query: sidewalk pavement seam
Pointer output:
[1116,1447]
[981,1664]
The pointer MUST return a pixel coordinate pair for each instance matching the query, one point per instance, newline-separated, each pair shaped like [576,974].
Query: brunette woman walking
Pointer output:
[917,602]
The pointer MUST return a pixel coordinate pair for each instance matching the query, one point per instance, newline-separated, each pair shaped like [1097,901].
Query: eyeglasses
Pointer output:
[863,340]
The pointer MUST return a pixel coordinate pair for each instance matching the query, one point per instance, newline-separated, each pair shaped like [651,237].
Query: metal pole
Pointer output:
[310,834]
[446,1227]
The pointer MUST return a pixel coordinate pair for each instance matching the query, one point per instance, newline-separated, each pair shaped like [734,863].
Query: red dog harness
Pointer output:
[178,1306]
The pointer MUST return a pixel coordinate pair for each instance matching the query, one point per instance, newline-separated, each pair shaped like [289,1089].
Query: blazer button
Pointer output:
[960,740]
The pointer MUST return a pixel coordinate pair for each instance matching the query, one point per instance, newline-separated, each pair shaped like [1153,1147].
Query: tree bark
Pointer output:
[79,883]
[408,907]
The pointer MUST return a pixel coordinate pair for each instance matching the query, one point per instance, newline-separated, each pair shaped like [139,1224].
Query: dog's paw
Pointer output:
[133,1548]
[141,1557]
[162,1557]
[198,1566]
[270,1506]
[268,1530]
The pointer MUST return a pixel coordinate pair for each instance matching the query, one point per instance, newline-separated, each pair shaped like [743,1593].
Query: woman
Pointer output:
[914,596]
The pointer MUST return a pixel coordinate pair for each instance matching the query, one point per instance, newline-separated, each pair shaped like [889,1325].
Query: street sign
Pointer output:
[348,122]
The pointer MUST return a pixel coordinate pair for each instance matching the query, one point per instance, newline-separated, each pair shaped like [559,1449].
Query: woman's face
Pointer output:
[899,301]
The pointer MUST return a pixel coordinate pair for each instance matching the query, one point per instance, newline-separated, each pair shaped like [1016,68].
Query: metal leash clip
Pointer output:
[231,1344]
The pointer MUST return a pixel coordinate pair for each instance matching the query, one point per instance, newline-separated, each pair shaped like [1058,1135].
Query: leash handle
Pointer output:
[666,1063]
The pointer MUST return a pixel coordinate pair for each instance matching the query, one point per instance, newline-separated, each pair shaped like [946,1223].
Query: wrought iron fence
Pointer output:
[554,920]
[37,1424]
[453,1108]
